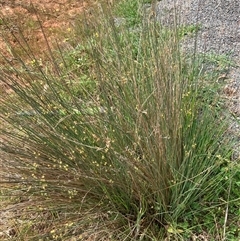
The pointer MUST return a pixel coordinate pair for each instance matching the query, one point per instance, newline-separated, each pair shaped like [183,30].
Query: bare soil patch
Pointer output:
[56,17]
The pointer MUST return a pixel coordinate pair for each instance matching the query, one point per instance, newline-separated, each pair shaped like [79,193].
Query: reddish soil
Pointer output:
[57,18]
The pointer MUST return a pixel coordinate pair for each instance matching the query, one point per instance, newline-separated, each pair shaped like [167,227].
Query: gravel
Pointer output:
[219,22]
[219,33]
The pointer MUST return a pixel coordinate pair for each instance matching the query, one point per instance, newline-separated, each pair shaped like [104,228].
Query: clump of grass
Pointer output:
[126,159]
[130,12]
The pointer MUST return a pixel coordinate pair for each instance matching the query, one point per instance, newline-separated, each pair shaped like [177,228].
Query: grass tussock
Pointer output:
[116,138]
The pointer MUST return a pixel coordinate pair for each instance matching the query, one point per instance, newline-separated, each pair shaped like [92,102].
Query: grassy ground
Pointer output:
[119,136]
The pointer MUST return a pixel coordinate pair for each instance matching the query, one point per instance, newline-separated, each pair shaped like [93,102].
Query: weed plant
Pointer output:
[114,140]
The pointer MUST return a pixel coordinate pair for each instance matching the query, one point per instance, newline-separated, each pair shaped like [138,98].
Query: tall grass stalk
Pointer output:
[127,155]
